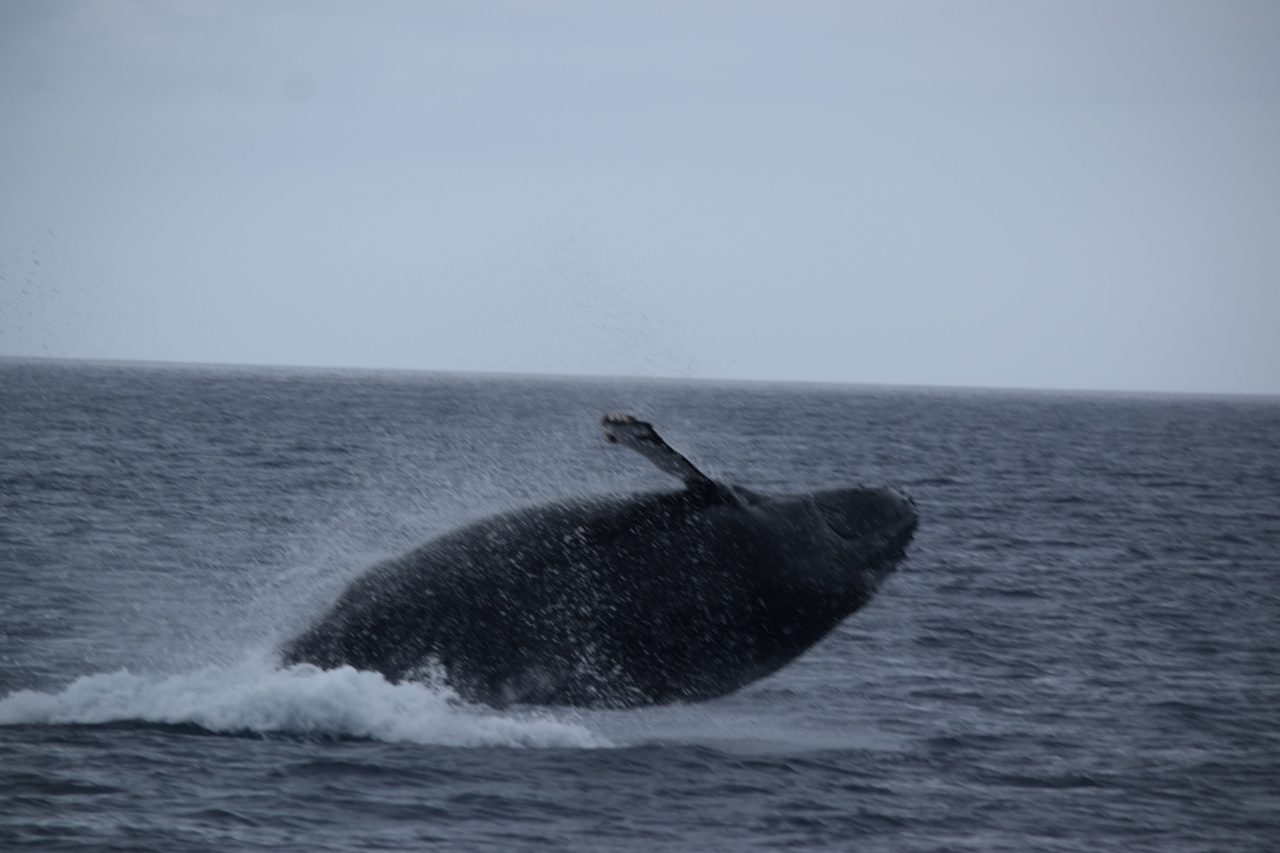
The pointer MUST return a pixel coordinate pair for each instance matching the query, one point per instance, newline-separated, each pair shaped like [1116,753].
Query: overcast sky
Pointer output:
[1039,194]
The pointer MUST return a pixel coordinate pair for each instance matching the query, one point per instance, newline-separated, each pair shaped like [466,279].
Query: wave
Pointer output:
[254,697]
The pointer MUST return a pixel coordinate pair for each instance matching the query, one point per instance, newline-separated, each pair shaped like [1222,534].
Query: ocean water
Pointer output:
[1081,653]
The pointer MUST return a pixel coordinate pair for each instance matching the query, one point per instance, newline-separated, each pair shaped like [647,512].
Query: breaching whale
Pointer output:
[619,601]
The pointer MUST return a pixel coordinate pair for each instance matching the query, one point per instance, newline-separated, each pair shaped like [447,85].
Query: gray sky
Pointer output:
[1046,194]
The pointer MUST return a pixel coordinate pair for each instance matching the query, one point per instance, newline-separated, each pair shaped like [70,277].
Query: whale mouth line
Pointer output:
[881,535]
[891,543]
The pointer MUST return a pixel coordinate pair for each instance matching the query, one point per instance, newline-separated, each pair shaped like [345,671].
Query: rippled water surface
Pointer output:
[1081,653]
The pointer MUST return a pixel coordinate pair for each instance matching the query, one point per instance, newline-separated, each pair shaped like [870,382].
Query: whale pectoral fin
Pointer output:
[641,437]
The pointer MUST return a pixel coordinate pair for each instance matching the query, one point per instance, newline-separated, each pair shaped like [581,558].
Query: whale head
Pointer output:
[871,518]
[870,529]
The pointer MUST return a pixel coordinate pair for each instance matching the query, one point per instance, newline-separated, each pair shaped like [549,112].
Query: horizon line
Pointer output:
[516,374]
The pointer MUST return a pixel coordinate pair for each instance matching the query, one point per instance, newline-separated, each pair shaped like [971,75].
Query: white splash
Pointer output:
[301,700]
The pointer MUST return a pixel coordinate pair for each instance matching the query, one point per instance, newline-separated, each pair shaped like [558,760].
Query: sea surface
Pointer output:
[1081,652]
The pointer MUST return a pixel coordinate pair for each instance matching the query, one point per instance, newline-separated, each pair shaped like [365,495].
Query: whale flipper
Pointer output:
[641,437]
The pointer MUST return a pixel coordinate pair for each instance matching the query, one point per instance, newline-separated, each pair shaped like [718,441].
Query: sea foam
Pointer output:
[253,697]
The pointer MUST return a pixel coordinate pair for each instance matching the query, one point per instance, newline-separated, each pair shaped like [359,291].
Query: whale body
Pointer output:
[619,601]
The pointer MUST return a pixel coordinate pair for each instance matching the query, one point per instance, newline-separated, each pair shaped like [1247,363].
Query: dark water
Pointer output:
[1081,653]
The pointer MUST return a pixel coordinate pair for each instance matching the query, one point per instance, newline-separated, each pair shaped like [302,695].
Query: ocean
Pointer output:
[1080,653]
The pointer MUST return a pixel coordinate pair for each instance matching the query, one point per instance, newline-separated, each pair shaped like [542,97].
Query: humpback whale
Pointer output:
[619,601]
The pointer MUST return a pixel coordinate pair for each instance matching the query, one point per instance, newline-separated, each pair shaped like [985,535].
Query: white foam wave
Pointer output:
[255,697]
